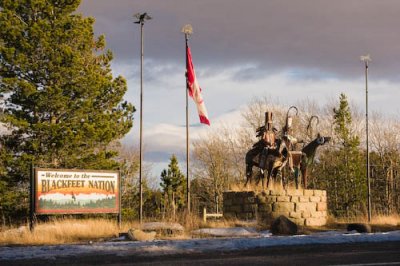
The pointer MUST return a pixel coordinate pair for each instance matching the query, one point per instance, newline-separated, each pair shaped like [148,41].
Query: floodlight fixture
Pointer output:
[366,58]
[187,29]
[141,17]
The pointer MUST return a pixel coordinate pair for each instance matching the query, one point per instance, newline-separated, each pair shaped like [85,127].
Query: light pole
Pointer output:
[141,19]
[366,59]
[187,30]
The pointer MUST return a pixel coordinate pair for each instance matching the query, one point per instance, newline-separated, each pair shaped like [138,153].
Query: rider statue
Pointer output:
[273,150]
[289,140]
[267,134]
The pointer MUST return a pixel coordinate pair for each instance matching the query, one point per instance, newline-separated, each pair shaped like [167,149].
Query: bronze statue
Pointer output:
[306,159]
[280,157]
[271,153]
[275,160]
[303,159]
[256,156]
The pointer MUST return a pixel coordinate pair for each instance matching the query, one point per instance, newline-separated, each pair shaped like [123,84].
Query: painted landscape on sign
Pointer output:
[55,201]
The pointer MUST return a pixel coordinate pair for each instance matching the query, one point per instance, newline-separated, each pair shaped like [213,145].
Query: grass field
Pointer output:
[61,231]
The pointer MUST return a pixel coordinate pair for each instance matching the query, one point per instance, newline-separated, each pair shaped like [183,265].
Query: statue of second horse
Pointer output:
[302,161]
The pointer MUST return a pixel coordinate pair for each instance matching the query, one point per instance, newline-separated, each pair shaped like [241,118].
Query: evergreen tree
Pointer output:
[173,184]
[62,105]
[343,168]
[342,123]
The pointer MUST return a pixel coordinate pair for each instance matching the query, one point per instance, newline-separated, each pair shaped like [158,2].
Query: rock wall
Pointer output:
[303,206]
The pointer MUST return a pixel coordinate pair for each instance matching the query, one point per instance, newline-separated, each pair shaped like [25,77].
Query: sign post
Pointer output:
[32,199]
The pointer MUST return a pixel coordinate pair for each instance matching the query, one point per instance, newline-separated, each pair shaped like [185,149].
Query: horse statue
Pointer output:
[302,160]
[270,161]
[274,161]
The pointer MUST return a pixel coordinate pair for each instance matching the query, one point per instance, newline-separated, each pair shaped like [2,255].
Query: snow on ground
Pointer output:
[162,247]
[227,232]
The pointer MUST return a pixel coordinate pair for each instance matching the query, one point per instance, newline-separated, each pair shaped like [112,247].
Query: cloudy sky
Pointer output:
[286,49]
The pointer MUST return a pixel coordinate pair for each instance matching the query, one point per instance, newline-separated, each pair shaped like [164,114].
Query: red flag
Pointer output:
[195,90]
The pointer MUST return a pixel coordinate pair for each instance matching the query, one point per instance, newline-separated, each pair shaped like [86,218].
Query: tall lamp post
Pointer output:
[366,59]
[187,30]
[141,19]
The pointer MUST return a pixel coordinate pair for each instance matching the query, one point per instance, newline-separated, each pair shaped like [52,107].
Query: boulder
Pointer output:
[164,228]
[139,235]
[283,226]
[359,227]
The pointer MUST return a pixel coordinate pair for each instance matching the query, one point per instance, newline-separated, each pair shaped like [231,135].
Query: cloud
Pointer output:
[275,35]
[248,73]
[287,50]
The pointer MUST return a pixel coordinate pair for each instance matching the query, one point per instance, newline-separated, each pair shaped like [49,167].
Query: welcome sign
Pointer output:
[76,191]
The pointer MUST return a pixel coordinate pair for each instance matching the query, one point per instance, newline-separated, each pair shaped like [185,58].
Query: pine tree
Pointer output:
[62,105]
[173,184]
[349,169]
[342,122]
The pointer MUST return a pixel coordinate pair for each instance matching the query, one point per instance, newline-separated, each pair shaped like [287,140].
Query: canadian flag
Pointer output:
[194,89]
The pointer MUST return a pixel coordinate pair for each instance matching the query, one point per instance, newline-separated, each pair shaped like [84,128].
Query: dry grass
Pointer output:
[222,223]
[386,220]
[381,220]
[189,221]
[63,231]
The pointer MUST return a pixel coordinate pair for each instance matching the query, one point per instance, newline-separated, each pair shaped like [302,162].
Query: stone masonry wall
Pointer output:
[303,206]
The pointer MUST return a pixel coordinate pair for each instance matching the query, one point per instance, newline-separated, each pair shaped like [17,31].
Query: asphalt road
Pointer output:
[382,253]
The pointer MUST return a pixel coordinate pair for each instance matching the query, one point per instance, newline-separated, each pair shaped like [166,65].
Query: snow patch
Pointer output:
[227,232]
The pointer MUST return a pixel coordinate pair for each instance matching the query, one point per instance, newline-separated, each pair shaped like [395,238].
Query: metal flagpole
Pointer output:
[367,59]
[187,30]
[141,18]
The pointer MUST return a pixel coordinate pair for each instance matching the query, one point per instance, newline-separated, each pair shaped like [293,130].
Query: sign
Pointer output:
[76,191]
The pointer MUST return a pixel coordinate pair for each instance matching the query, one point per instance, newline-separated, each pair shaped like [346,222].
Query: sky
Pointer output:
[246,49]
[253,240]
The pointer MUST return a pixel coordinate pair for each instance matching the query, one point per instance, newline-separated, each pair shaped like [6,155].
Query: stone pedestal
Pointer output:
[302,206]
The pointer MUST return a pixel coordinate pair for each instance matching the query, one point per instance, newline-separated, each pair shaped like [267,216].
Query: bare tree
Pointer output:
[129,160]
[218,162]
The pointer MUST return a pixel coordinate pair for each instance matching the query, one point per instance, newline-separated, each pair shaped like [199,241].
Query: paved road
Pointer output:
[383,253]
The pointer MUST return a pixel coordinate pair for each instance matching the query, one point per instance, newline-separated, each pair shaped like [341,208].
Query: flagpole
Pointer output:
[187,30]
